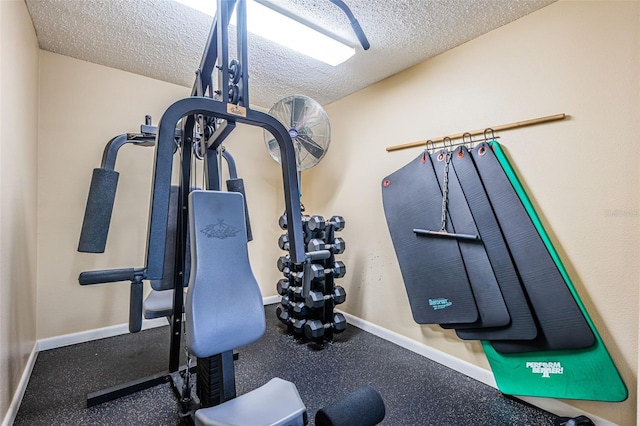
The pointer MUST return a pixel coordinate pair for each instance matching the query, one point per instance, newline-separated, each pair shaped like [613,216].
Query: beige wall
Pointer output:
[18,120]
[83,106]
[581,58]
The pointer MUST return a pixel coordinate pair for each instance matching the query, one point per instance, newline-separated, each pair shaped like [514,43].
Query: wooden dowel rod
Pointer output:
[509,126]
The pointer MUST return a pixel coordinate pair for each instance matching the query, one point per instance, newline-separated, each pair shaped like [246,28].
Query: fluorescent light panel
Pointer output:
[267,23]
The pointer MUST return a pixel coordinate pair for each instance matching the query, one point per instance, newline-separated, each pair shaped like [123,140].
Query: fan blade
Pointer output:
[298,108]
[311,147]
[273,143]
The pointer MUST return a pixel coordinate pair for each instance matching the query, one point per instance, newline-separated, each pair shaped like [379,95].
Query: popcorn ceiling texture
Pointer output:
[164,40]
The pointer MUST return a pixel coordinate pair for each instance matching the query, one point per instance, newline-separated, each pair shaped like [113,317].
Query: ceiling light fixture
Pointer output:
[284,30]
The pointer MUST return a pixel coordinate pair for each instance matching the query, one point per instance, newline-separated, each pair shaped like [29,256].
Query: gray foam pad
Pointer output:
[276,403]
[432,268]
[224,308]
[237,185]
[166,282]
[491,306]
[522,324]
[158,304]
[562,325]
[97,213]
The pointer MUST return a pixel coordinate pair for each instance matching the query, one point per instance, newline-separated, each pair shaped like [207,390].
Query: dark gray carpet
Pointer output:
[416,390]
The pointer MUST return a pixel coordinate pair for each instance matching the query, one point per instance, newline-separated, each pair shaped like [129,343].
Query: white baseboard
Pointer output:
[554,406]
[270,300]
[464,367]
[95,334]
[12,412]
[111,331]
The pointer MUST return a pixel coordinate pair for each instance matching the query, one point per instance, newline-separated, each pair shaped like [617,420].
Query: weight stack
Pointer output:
[309,313]
[209,377]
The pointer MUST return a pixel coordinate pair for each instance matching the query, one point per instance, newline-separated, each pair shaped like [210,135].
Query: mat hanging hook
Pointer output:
[486,131]
[428,150]
[469,143]
[429,147]
[447,144]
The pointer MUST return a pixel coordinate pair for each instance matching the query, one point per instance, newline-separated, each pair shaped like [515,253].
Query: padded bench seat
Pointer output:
[158,304]
[276,403]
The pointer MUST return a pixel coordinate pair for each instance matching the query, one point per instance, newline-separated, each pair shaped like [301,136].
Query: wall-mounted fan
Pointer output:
[308,126]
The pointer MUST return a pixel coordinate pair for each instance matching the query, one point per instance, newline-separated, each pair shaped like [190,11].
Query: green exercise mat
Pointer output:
[588,374]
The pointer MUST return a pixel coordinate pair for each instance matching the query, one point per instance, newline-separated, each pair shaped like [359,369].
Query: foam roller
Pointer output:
[237,185]
[97,214]
[364,407]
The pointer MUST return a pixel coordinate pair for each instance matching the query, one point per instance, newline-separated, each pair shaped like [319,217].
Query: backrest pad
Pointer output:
[224,308]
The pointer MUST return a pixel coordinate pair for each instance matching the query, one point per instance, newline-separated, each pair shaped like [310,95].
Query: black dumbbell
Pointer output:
[315,299]
[314,329]
[299,308]
[316,244]
[315,223]
[284,316]
[337,222]
[296,276]
[284,287]
[318,223]
[282,221]
[283,242]
[338,271]
[284,262]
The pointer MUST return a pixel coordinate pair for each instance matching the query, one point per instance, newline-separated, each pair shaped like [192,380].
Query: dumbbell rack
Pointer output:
[308,290]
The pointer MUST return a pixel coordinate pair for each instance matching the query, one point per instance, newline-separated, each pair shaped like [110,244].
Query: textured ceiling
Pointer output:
[164,40]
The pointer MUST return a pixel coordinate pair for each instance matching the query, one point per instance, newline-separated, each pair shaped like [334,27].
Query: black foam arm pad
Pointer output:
[237,185]
[97,214]
[135,307]
[108,276]
[364,407]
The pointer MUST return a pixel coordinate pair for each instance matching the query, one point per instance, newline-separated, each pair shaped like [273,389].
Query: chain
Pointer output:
[186,388]
[445,191]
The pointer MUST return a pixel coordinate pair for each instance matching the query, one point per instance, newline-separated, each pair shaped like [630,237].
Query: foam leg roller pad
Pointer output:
[237,185]
[135,307]
[97,214]
[364,407]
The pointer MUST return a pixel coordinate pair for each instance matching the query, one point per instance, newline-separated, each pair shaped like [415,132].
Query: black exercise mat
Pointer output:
[434,275]
[522,326]
[562,325]
[489,301]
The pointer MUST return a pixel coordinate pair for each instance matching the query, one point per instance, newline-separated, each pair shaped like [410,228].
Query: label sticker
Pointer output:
[440,303]
[545,368]
[237,110]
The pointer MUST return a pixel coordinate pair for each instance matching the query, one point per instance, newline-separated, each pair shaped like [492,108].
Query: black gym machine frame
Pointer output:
[217,109]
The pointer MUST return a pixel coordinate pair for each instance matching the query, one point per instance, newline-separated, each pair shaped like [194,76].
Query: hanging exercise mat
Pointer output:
[489,301]
[588,374]
[561,324]
[434,275]
[522,326]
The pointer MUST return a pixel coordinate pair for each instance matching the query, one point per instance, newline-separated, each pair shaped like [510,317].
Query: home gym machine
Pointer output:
[217,111]
[205,120]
